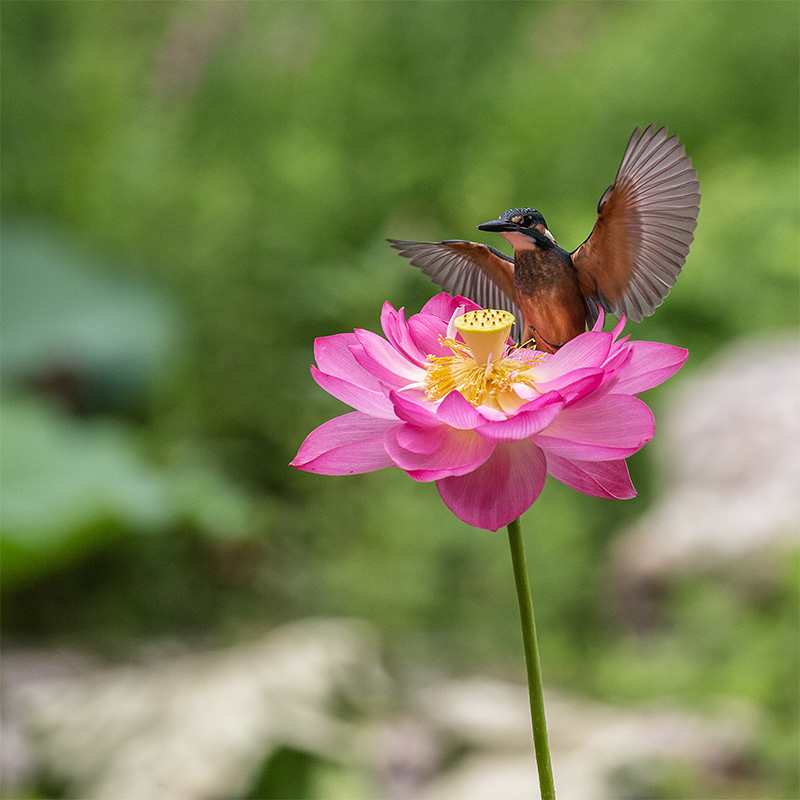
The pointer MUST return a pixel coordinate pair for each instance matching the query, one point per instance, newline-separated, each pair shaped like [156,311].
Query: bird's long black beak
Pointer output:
[498,226]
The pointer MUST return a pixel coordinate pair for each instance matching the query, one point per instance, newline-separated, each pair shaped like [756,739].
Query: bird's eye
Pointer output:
[527,221]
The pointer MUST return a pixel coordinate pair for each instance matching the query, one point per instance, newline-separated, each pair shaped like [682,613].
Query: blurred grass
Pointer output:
[247,160]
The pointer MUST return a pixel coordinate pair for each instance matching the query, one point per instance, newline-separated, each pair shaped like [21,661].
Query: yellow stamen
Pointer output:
[480,369]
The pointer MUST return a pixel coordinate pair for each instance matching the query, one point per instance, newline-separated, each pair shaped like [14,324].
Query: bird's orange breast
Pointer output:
[547,292]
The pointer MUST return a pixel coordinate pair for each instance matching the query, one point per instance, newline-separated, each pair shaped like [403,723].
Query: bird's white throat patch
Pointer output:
[519,241]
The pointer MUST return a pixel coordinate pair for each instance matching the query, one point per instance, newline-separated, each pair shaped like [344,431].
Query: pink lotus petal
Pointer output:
[587,389]
[369,401]
[532,418]
[421,439]
[346,445]
[455,410]
[589,349]
[490,414]
[384,362]
[444,306]
[619,356]
[601,319]
[386,377]
[574,385]
[597,478]
[613,428]
[396,329]
[500,490]
[425,331]
[588,393]
[417,412]
[650,364]
[333,357]
[459,452]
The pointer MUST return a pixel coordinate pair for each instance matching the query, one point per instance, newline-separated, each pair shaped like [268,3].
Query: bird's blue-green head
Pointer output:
[522,227]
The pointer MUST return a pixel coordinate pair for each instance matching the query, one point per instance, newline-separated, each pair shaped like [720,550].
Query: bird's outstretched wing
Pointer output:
[645,226]
[473,270]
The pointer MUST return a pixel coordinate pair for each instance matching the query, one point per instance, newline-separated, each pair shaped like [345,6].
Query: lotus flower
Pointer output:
[446,397]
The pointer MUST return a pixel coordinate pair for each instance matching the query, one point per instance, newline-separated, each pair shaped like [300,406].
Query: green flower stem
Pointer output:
[540,744]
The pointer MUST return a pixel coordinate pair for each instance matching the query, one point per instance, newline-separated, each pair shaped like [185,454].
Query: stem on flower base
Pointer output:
[540,743]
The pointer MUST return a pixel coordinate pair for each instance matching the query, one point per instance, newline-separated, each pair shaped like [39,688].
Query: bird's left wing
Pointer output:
[645,225]
[472,270]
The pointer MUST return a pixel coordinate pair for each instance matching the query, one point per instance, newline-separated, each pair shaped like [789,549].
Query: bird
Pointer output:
[639,243]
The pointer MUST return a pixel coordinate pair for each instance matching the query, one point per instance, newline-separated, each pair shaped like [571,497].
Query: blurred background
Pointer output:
[191,193]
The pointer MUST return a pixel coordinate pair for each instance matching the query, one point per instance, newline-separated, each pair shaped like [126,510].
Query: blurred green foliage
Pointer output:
[245,162]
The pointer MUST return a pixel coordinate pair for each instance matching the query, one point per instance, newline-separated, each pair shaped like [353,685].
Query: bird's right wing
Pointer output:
[472,270]
[645,225]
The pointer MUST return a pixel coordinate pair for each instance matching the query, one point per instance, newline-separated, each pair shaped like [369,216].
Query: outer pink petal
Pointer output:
[421,438]
[346,445]
[585,393]
[500,490]
[456,410]
[620,354]
[459,452]
[333,357]
[590,349]
[374,403]
[650,364]
[444,306]
[417,412]
[613,428]
[601,318]
[385,362]
[396,329]
[618,328]
[425,331]
[574,385]
[532,418]
[597,478]
[380,370]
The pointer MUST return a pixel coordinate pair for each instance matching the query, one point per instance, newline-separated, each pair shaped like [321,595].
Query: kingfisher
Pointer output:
[632,258]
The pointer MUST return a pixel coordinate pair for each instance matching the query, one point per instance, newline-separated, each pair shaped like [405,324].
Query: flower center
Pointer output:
[485,331]
[480,368]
